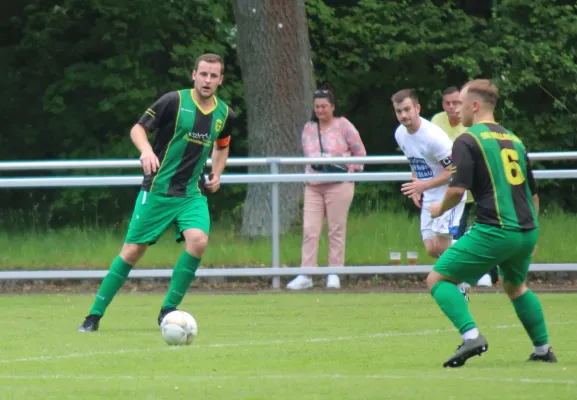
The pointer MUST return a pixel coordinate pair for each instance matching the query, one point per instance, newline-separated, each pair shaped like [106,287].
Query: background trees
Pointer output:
[77,74]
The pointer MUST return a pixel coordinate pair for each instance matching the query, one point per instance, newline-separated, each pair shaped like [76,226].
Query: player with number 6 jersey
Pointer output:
[492,162]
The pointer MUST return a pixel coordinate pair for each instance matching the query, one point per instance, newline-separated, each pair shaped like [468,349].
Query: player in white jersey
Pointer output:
[428,149]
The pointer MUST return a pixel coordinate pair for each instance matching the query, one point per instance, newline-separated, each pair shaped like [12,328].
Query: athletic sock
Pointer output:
[470,334]
[530,312]
[182,276]
[111,284]
[454,305]
[541,350]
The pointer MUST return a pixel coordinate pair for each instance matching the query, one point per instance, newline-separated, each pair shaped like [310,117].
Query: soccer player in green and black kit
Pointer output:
[187,124]
[492,162]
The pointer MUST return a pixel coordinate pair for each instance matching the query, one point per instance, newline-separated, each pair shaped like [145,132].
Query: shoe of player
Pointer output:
[469,348]
[547,357]
[333,282]
[300,282]
[164,312]
[485,281]
[90,324]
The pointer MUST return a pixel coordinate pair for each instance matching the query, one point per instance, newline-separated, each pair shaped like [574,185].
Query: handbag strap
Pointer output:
[320,139]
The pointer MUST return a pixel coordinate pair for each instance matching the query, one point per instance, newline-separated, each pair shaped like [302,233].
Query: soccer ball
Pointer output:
[178,328]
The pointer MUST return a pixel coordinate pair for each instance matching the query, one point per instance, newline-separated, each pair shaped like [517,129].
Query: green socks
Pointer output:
[111,284]
[453,304]
[529,310]
[527,307]
[182,276]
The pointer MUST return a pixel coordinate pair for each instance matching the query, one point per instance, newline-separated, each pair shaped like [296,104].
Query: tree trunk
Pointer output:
[277,71]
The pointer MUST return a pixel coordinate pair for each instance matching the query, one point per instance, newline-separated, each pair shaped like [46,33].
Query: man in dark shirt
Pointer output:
[492,162]
[187,124]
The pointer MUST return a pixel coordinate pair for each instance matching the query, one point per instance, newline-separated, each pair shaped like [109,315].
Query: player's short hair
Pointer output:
[450,90]
[211,59]
[485,89]
[401,95]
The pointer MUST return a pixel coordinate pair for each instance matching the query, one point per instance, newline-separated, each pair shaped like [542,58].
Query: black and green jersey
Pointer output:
[492,162]
[185,134]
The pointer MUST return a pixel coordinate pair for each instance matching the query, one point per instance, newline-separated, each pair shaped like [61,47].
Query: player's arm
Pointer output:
[532,184]
[220,153]
[417,186]
[463,166]
[159,113]
[355,144]
[416,197]
[442,178]
[442,150]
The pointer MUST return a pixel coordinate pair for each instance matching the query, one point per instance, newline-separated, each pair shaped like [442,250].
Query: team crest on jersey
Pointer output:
[218,125]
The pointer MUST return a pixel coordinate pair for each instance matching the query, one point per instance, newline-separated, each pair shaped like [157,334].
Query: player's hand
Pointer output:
[435,210]
[213,183]
[416,187]
[149,161]
[416,200]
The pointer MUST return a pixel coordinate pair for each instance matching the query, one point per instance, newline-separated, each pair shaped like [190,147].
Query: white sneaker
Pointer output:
[300,282]
[333,282]
[485,281]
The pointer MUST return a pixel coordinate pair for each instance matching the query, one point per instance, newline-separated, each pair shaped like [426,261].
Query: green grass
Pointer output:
[279,346]
[370,238]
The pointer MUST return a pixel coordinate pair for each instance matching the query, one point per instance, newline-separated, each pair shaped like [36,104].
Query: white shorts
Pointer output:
[446,225]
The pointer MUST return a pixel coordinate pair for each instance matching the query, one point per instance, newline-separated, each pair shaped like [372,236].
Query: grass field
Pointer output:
[370,238]
[279,346]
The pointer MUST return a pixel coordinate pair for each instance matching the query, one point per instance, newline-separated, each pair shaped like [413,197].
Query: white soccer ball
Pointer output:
[178,328]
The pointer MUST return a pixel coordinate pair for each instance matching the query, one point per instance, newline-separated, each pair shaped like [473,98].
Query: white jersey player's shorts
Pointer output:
[446,225]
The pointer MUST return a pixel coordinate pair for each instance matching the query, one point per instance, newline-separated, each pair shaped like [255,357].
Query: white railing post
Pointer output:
[275,229]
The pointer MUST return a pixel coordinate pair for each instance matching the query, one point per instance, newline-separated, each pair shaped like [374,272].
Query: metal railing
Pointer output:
[274,177]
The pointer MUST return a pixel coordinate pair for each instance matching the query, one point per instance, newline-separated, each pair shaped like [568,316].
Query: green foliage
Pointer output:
[77,76]
[378,48]
[82,72]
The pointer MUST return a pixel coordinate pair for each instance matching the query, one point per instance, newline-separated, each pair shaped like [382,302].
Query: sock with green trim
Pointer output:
[111,284]
[182,276]
[453,304]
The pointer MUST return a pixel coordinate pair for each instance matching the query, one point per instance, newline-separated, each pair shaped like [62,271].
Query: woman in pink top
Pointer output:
[333,199]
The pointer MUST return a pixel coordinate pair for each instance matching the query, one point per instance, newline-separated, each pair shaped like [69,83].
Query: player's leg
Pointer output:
[150,218]
[526,304]
[463,221]
[445,228]
[427,233]
[313,217]
[338,200]
[192,226]
[470,257]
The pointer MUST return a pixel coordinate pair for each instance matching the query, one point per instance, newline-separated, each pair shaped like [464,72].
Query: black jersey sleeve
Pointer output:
[161,113]
[530,178]
[223,139]
[463,164]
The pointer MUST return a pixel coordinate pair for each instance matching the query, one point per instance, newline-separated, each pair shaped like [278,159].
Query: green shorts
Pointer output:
[153,214]
[485,246]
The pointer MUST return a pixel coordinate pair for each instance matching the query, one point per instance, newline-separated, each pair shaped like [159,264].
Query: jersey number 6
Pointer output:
[513,170]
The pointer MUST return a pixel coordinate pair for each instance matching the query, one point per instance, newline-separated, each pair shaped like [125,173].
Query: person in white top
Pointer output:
[428,149]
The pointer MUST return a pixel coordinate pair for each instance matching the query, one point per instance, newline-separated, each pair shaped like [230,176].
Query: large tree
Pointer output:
[277,71]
